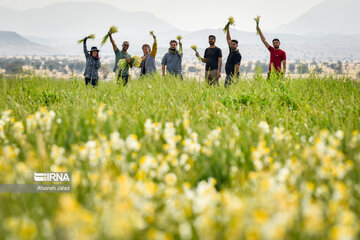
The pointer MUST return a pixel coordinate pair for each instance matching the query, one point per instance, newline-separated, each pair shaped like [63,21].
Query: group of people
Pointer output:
[172,60]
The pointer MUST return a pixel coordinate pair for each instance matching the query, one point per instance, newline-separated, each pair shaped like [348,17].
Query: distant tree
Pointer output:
[36,64]
[249,67]
[318,69]
[64,70]
[193,69]
[52,65]
[76,66]
[292,67]
[261,67]
[302,68]
[2,63]
[13,67]
[339,67]
[242,69]
[358,75]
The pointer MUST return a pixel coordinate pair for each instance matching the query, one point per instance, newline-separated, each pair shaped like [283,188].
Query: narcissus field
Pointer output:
[168,159]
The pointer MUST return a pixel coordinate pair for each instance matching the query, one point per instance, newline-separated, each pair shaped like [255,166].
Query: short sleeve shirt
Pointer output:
[172,62]
[233,59]
[118,56]
[276,57]
[212,55]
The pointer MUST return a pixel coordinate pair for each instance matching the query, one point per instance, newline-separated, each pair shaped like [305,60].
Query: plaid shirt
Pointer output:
[92,65]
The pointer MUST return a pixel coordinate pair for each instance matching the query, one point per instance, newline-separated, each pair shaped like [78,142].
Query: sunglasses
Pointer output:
[125,45]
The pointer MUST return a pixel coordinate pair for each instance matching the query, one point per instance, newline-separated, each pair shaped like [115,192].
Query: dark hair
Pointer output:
[276,39]
[235,41]
[146,45]
[173,41]
[212,36]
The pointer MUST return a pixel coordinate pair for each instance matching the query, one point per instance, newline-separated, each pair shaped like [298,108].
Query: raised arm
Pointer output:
[113,42]
[85,48]
[154,48]
[228,38]
[267,45]
[180,48]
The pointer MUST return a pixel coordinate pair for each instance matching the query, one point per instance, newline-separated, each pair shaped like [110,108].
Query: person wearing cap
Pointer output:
[93,65]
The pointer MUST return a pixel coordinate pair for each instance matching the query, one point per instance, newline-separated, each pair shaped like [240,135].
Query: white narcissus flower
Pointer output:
[170,179]
[132,143]
[116,141]
[264,127]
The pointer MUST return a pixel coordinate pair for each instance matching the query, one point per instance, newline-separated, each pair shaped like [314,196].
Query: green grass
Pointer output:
[319,148]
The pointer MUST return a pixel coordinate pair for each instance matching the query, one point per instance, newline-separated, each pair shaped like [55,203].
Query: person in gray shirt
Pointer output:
[172,60]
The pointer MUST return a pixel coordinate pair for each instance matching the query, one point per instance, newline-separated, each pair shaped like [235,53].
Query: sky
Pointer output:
[192,15]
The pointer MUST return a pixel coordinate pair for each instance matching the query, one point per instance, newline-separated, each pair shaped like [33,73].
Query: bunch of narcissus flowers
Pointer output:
[122,64]
[91,36]
[257,20]
[152,33]
[194,47]
[135,61]
[231,21]
[113,29]
[179,37]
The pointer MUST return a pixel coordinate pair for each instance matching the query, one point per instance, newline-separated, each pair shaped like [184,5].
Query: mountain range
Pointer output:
[12,44]
[330,16]
[74,19]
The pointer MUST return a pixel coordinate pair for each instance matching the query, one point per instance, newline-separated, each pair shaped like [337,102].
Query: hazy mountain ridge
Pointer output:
[75,19]
[330,16]
[60,25]
[12,44]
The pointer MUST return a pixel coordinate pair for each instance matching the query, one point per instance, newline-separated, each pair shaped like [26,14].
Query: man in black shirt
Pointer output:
[233,61]
[213,60]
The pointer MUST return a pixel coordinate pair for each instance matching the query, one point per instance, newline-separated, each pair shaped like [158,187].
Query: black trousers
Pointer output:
[93,82]
[123,80]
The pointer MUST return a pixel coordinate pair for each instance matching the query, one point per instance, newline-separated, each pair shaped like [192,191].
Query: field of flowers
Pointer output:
[170,159]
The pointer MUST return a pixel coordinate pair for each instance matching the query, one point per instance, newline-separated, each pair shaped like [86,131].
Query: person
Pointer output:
[172,60]
[277,56]
[123,54]
[213,60]
[233,61]
[148,60]
[92,66]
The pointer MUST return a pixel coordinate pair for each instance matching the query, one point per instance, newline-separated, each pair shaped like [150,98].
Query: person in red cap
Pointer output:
[93,65]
